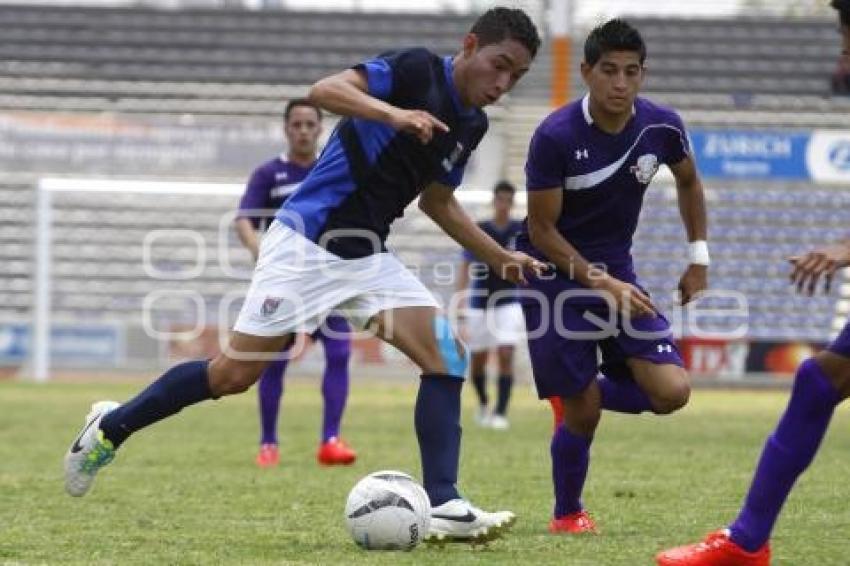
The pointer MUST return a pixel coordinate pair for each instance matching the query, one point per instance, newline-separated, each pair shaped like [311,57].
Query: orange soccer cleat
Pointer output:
[575,523]
[718,549]
[268,456]
[335,452]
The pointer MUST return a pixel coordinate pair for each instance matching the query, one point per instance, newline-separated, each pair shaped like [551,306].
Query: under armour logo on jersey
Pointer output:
[662,348]
[582,154]
[450,161]
[281,176]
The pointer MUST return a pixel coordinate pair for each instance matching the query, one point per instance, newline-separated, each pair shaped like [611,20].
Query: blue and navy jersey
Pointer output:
[268,188]
[490,290]
[368,172]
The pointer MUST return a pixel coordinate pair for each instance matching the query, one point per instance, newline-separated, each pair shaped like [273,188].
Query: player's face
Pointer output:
[503,201]
[486,73]
[303,130]
[614,81]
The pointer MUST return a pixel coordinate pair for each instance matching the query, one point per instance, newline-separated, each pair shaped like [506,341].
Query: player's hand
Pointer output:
[417,123]
[692,283]
[630,301]
[517,264]
[825,261]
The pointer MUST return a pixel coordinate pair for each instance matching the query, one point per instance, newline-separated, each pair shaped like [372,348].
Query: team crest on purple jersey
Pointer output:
[270,305]
[646,168]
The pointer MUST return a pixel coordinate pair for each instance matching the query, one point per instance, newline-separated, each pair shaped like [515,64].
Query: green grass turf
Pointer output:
[187,492]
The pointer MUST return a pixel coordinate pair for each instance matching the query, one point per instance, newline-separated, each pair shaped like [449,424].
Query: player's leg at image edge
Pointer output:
[785,456]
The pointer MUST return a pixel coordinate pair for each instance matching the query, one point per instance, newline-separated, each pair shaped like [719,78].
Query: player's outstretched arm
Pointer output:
[544,207]
[692,209]
[347,94]
[439,203]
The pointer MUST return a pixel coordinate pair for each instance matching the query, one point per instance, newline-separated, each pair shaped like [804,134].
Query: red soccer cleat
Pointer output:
[716,550]
[335,452]
[268,457]
[574,523]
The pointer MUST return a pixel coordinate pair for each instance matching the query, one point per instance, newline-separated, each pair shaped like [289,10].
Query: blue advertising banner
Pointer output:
[72,344]
[752,154]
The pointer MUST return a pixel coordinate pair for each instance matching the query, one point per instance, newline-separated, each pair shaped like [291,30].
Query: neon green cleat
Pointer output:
[89,452]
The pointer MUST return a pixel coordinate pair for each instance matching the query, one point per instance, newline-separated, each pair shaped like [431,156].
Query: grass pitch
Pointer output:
[187,492]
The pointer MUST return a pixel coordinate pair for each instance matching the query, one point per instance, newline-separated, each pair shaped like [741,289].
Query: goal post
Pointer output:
[75,217]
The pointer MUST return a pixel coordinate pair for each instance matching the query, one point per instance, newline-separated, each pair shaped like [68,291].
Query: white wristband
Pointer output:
[698,253]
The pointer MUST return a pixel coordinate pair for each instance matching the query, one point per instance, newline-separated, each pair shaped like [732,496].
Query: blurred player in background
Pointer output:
[589,165]
[412,120]
[493,317]
[821,383]
[269,187]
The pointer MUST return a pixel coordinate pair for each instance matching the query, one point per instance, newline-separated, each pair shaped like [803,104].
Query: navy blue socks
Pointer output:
[437,422]
[183,385]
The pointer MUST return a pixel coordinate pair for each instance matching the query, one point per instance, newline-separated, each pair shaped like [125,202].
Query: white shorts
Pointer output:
[296,284]
[488,328]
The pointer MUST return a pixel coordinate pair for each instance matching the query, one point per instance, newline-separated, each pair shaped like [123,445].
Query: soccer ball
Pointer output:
[388,510]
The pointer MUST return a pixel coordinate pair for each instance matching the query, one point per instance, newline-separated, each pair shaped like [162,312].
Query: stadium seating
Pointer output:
[192,61]
[718,73]
[243,62]
[98,270]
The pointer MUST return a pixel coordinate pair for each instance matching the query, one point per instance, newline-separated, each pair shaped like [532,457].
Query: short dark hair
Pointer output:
[613,35]
[498,24]
[504,187]
[843,7]
[295,103]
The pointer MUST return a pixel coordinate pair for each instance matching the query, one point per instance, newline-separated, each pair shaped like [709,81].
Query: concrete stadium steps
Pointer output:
[228,46]
[98,272]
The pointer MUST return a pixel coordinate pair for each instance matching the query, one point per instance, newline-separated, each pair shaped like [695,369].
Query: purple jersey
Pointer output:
[270,185]
[603,176]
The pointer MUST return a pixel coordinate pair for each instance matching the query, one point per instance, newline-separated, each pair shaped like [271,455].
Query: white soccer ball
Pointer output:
[388,510]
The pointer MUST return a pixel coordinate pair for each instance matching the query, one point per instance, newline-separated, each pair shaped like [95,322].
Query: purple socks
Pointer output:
[269,390]
[334,389]
[570,460]
[787,453]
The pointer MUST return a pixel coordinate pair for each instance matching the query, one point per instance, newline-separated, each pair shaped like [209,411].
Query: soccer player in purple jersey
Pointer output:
[411,119]
[589,165]
[821,383]
[269,187]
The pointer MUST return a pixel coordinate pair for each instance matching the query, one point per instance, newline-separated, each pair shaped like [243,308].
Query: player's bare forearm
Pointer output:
[347,94]
[691,197]
[248,236]
[558,250]
[544,207]
[440,204]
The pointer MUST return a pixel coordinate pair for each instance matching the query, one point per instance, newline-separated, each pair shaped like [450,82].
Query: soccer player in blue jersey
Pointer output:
[269,187]
[821,383]
[412,119]
[493,317]
[589,165]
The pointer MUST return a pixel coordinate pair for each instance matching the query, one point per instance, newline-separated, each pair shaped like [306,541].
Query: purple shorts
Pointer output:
[564,334]
[841,344]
